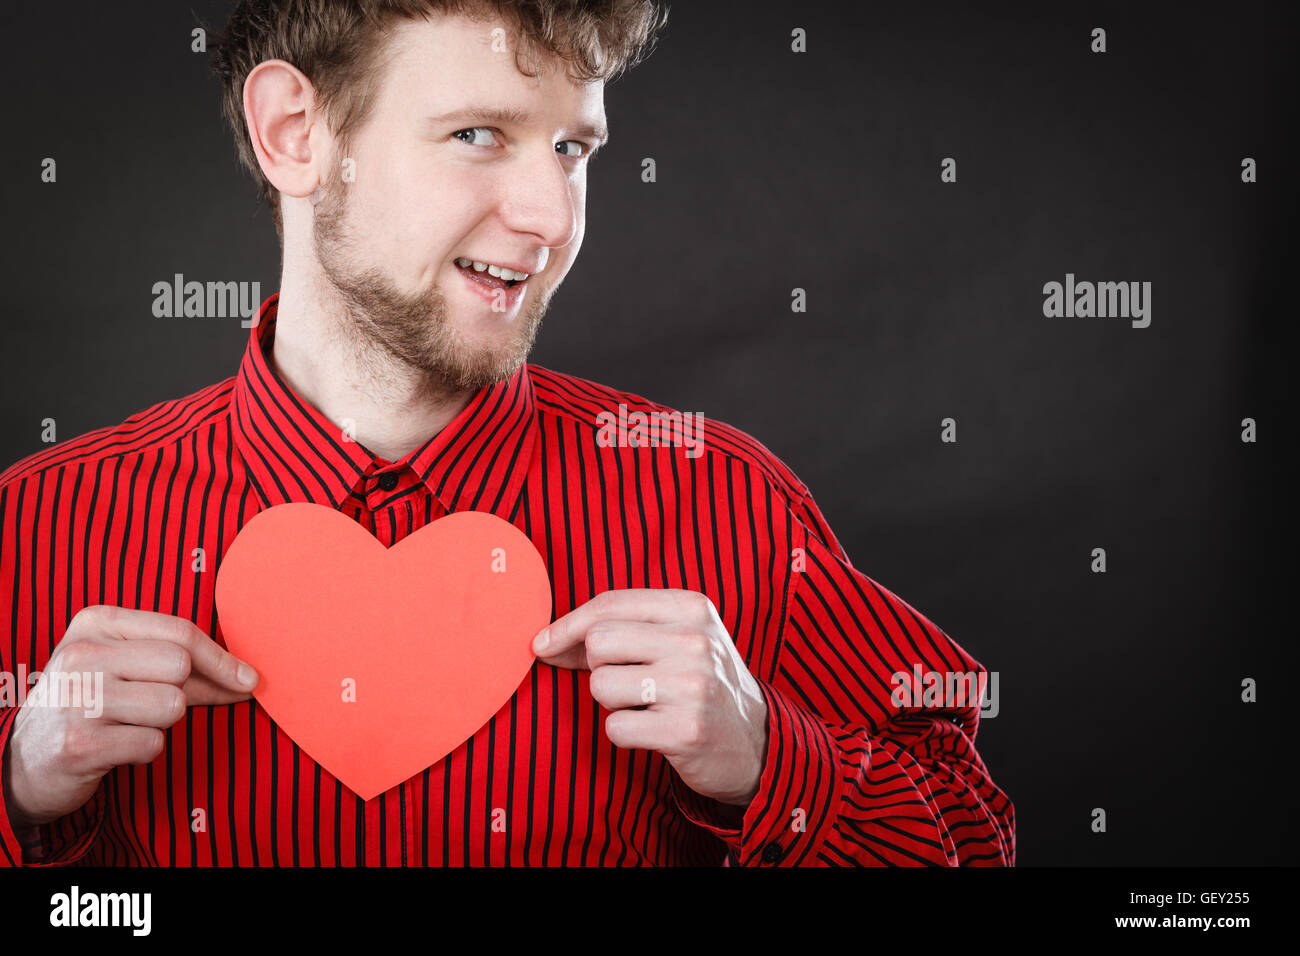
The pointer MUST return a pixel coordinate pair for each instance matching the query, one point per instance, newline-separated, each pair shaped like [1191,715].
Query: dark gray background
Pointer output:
[821,171]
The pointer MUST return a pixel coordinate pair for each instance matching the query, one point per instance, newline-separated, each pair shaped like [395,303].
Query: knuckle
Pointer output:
[697,686]
[614,728]
[180,630]
[75,656]
[606,601]
[692,732]
[95,614]
[701,604]
[178,664]
[151,745]
[696,644]
[78,741]
[225,667]
[83,619]
[173,704]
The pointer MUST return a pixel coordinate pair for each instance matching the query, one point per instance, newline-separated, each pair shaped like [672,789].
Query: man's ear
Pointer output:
[278,108]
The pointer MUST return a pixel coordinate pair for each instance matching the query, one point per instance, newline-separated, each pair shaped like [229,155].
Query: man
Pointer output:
[426,163]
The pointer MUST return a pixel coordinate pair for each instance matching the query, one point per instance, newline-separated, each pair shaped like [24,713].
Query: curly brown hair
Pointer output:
[335,43]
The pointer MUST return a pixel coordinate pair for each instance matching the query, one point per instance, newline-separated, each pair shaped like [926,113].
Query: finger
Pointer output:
[655,605]
[574,659]
[219,665]
[615,686]
[640,730]
[143,704]
[119,744]
[149,660]
[633,642]
[205,656]
[201,692]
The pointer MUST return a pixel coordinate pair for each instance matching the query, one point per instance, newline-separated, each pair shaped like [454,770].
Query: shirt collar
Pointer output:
[294,453]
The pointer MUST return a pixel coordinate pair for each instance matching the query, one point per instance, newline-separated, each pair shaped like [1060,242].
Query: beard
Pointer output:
[414,328]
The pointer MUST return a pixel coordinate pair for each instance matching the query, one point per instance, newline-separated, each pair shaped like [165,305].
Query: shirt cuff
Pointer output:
[798,797]
[58,842]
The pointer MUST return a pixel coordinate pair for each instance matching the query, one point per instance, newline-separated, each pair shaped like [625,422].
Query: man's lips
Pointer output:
[486,278]
[495,291]
[530,270]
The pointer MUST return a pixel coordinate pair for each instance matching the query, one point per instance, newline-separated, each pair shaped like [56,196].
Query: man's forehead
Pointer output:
[452,64]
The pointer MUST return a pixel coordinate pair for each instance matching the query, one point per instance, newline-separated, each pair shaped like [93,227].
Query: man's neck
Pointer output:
[316,352]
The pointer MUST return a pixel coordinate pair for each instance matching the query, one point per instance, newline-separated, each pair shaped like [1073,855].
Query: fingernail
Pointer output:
[245,675]
[541,640]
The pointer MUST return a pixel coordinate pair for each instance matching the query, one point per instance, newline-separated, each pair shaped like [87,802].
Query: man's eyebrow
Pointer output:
[510,116]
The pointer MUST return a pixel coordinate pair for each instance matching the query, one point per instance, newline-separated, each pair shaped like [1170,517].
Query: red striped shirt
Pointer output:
[851,776]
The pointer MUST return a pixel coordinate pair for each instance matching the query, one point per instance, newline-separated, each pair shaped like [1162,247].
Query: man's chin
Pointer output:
[470,366]
[486,356]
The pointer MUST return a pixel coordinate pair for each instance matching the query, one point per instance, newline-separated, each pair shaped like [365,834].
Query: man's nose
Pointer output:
[539,199]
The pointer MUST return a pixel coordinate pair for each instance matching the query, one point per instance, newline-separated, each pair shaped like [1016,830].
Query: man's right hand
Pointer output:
[154,666]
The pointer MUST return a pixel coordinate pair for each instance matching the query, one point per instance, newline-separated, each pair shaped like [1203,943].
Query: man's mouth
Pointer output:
[491,275]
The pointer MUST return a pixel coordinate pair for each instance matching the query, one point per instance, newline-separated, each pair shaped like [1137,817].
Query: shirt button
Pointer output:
[772,853]
[388,480]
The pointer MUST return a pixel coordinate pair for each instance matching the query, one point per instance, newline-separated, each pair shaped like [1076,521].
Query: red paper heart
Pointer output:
[435,632]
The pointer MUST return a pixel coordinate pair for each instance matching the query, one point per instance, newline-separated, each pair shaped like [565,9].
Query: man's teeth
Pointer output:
[498,271]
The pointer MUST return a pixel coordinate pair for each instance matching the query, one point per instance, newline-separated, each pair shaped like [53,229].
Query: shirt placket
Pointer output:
[399,828]
[414,515]
[370,817]
[393,831]
[409,518]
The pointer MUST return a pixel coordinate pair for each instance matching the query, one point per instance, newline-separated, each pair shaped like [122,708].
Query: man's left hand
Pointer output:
[664,664]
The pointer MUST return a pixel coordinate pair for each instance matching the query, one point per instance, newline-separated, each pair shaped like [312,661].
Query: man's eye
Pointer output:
[472,131]
[585,149]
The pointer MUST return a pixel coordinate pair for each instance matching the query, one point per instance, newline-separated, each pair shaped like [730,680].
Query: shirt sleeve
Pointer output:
[68,838]
[864,765]
[57,843]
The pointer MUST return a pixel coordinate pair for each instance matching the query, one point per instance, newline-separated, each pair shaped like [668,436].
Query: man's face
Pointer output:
[429,191]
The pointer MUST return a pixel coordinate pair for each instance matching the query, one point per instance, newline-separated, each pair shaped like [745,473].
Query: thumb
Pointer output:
[571,658]
[199,691]
[561,645]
